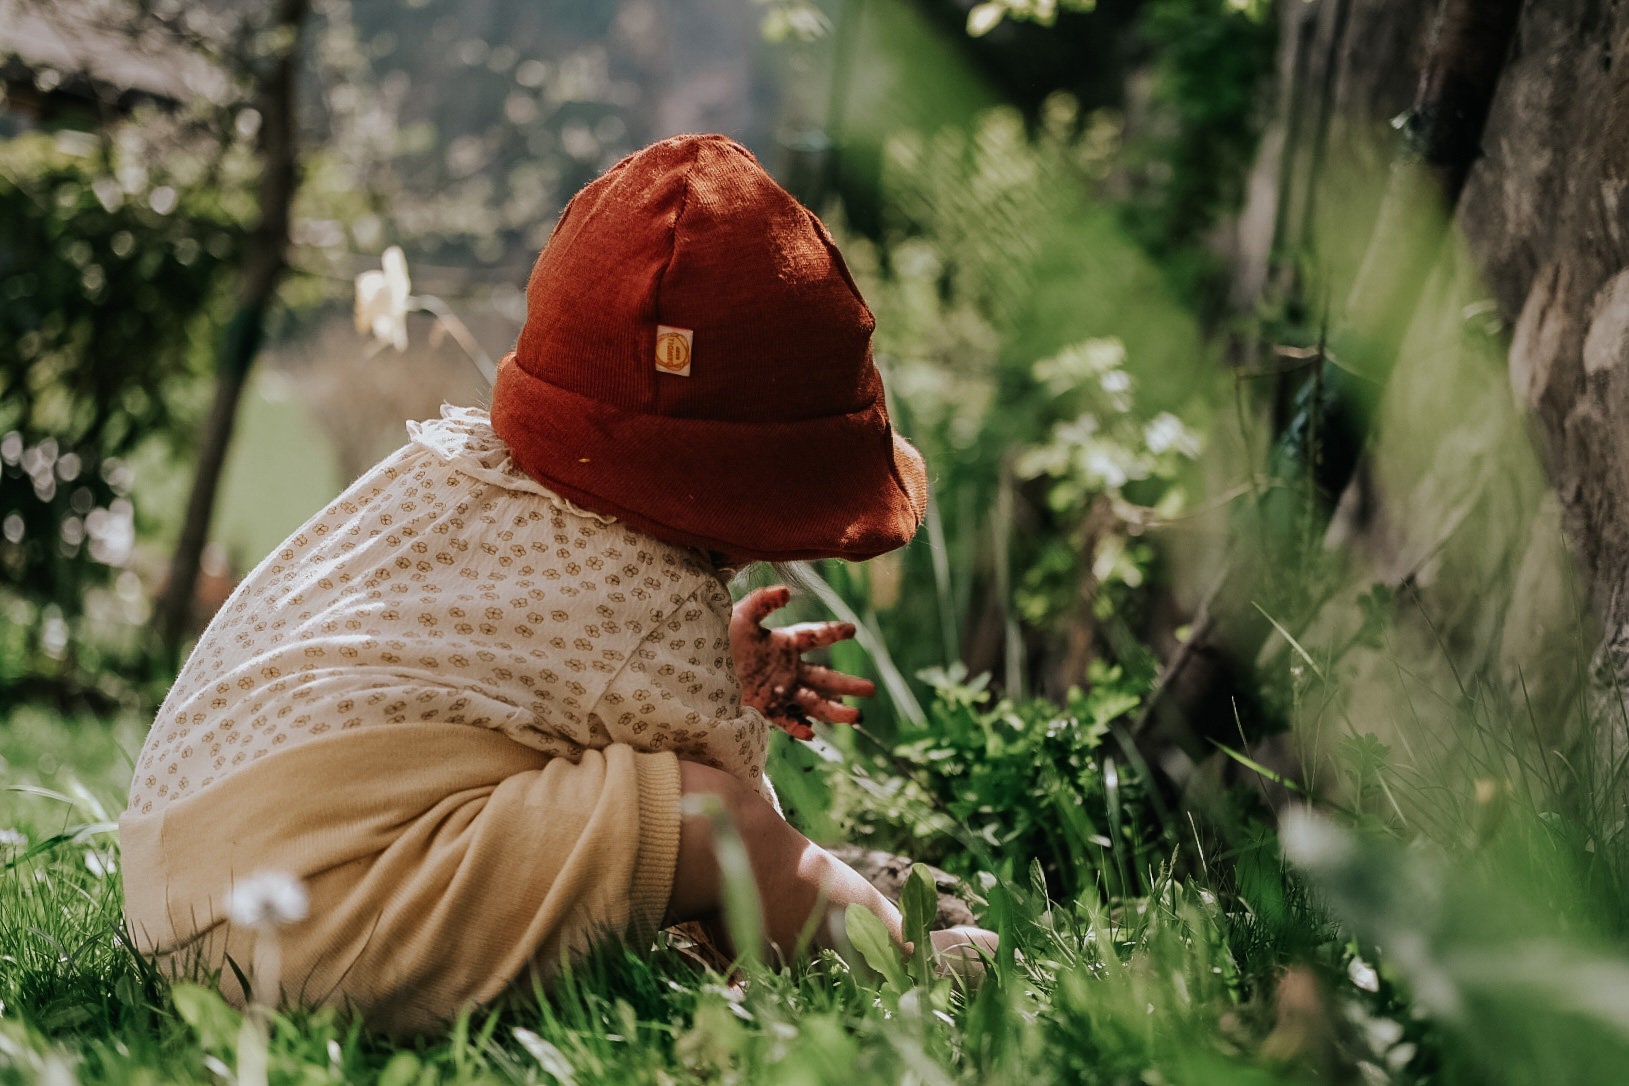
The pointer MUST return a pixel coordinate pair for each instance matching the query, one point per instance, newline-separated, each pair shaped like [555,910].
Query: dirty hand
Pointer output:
[774,678]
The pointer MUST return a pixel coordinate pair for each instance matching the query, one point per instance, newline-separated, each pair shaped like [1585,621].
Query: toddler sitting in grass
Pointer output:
[465,703]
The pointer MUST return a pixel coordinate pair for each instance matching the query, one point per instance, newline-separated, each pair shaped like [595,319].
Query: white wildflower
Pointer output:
[1313,842]
[1074,366]
[1077,431]
[1102,464]
[1363,975]
[10,838]
[268,899]
[101,864]
[382,297]
[983,18]
[1166,431]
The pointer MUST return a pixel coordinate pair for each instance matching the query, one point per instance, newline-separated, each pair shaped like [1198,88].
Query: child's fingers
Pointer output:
[835,684]
[797,729]
[756,606]
[832,712]
[813,635]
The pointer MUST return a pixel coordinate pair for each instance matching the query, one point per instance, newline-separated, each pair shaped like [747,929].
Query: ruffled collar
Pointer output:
[463,437]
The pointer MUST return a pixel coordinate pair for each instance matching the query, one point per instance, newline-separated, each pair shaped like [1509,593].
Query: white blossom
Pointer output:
[381,299]
[1363,975]
[1102,463]
[1166,431]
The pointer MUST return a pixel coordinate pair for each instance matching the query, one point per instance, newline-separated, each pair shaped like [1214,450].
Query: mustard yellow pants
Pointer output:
[443,862]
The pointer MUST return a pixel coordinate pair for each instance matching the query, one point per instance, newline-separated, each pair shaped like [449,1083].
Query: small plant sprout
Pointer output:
[382,298]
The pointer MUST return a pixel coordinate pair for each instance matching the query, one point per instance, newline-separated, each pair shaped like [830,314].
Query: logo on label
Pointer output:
[673,349]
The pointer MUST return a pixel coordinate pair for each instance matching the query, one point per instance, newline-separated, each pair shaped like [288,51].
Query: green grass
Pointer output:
[1488,950]
[1099,994]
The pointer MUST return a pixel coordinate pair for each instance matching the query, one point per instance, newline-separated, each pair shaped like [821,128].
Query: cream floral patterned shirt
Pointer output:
[447,585]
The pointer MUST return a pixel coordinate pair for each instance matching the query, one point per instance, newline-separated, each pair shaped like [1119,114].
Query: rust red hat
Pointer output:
[696,361]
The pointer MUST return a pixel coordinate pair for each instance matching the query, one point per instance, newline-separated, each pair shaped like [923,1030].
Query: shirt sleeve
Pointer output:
[678,691]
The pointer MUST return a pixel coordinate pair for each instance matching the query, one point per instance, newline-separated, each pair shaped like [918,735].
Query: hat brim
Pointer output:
[741,488]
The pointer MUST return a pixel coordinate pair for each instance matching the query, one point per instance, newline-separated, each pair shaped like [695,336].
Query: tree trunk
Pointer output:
[265,259]
[1444,132]
[1199,690]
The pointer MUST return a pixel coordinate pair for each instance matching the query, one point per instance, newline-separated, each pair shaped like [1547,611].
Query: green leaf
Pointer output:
[920,904]
[207,1013]
[1256,767]
[1294,644]
[403,1068]
[1108,707]
[870,937]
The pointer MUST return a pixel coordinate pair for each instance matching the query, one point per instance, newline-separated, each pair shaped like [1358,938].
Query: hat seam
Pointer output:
[673,238]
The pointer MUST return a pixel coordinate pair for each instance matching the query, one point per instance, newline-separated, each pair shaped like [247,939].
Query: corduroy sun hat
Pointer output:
[696,361]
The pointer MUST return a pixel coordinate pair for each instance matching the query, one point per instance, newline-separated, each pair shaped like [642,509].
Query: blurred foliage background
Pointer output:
[1013,249]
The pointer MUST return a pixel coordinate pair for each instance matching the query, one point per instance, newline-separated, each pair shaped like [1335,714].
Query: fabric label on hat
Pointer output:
[673,350]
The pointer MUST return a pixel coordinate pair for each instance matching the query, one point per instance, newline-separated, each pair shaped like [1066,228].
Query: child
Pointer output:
[465,703]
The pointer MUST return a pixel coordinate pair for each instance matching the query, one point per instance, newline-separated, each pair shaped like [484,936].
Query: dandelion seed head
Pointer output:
[268,899]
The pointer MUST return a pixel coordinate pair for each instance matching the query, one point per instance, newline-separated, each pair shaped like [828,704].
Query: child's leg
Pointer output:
[794,876]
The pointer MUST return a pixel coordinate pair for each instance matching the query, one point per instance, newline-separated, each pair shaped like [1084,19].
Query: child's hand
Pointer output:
[774,678]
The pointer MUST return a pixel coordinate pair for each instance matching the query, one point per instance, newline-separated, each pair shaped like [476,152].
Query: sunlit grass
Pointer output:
[1495,955]
[1100,985]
